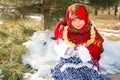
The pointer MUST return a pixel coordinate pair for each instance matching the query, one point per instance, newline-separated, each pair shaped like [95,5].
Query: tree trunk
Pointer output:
[102,11]
[96,10]
[45,14]
[119,16]
[116,10]
[46,22]
[109,11]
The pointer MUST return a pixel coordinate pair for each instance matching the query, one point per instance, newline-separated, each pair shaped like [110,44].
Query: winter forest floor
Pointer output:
[108,22]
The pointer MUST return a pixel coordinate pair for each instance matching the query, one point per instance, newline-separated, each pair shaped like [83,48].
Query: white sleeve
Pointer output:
[83,53]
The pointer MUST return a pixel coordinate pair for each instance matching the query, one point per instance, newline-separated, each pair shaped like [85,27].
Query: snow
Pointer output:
[1,22]
[41,56]
[118,24]
[111,57]
[109,30]
[1,75]
[35,17]
[109,34]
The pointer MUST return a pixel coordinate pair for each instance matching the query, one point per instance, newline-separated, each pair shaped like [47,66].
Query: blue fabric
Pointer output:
[71,73]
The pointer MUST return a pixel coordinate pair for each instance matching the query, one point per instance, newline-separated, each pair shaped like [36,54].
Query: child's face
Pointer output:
[77,23]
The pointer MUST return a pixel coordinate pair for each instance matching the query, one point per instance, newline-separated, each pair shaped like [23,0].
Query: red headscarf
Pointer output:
[73,11]
[76,10]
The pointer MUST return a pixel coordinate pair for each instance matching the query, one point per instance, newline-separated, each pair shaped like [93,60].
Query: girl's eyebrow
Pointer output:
[76,17]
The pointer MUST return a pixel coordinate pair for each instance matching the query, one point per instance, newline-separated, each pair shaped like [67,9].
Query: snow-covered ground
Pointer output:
[108,32]
[41,56]
[0,74]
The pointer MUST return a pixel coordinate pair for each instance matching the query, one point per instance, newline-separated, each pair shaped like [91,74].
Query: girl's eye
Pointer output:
[74,20]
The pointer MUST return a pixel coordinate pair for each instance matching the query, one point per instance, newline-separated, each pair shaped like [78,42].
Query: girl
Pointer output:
[79,46]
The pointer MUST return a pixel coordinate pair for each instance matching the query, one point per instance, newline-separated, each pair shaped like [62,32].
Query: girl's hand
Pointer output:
[63,50]
[69,51]
[83,53]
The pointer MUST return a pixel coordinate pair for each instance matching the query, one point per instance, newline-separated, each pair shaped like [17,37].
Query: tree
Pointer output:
[102,4]
[50,9]
[96,4]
